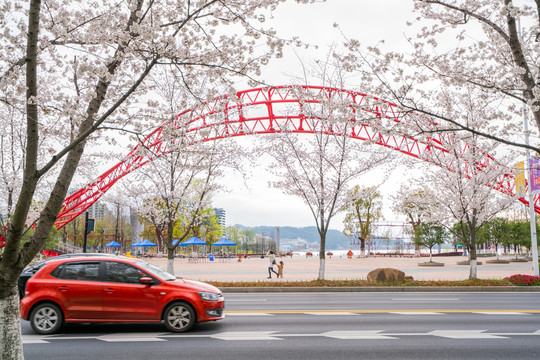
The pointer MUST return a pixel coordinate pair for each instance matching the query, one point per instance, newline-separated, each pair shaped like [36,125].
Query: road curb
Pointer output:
[231,290]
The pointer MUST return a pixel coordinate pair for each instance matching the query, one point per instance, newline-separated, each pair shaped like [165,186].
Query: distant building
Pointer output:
[220,214]
[136,227]
[97,211]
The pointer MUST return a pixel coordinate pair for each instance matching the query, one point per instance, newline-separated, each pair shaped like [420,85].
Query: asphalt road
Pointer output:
[322,326]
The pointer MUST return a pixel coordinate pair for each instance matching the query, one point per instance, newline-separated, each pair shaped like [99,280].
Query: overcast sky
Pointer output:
[369,22]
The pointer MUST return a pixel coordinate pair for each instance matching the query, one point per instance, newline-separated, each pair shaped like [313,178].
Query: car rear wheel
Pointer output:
[179,317]
[46,319]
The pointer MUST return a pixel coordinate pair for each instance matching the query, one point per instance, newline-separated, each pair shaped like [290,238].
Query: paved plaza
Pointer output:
[339,268]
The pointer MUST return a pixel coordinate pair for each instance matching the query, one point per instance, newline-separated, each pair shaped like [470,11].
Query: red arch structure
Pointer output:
[273,110]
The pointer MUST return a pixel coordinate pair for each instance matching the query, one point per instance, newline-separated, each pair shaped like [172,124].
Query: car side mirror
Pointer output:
[146,280]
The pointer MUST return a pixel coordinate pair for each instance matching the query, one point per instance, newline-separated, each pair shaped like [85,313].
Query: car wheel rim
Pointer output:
[45,319]
[179,317]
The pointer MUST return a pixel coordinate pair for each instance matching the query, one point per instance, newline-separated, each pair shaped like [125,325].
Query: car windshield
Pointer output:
[154,270]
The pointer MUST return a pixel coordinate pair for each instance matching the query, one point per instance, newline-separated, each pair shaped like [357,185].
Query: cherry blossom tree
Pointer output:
[464,192]
[319,167]
[70,72]
[177,188]
[488,44]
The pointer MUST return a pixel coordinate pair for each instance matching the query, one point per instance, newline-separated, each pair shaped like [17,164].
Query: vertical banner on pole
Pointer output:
[534,175]
[521,186]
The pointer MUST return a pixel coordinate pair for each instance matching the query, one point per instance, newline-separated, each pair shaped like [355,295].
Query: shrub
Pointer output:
[524,280]
[360,283]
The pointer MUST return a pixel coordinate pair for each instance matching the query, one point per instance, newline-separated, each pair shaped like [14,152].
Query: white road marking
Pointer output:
[465,334]
[246,335]
[421,299]
[131,337]
[331,313]
[31,341]
[35,339]
[418,313]
[248,314]
[500,313]
[358,335]
[275,335]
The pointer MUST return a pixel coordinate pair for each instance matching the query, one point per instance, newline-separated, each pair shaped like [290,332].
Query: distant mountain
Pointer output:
[334,239]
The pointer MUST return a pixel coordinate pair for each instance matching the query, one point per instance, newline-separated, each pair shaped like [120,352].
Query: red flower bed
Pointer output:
[524,280]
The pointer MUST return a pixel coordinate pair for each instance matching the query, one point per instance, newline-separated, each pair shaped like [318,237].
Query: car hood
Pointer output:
[200,286]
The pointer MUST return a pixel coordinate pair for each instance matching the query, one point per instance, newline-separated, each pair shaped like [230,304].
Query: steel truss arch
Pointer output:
[274,110]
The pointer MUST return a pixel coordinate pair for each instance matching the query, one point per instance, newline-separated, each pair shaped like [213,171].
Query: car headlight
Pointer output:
[208,296]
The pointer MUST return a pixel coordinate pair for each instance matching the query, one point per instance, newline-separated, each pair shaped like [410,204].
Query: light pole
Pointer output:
[532,214]
[278,239]
[528,172]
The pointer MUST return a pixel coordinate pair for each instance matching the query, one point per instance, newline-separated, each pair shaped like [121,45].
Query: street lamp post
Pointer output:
[532,214]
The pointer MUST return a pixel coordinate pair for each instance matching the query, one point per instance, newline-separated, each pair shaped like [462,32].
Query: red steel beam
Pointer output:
[274,110]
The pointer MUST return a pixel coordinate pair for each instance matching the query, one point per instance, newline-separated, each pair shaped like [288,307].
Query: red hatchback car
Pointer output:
[122,290]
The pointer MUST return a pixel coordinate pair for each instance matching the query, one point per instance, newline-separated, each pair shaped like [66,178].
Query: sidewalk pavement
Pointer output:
[302,268]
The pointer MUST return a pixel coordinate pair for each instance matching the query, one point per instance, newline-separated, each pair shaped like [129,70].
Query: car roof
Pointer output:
[93,258]
[70,255]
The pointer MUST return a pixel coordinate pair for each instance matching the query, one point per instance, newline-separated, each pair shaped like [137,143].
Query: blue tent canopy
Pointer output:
[175,241]
[193,241]
[224,242]
[113,244]
[143,243]
[146,242]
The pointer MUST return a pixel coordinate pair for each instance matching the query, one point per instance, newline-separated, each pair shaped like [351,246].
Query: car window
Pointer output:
[122,272]
[78,271]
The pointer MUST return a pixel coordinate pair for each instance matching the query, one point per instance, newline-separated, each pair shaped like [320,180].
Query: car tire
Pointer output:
[179,317]
[46,319]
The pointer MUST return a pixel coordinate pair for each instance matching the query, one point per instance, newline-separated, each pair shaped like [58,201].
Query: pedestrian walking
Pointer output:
[271,263]
[280,269]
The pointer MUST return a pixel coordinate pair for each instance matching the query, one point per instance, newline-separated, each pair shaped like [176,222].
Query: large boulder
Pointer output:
[386,275]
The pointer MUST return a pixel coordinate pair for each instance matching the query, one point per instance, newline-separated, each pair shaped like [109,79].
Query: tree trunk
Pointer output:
[417,250]
[321,267]
[473,262]
[170,261]
[362,248]
[10,327]
[322,256]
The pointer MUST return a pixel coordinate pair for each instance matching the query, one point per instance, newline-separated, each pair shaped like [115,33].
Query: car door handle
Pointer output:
[63,288]
[109,290]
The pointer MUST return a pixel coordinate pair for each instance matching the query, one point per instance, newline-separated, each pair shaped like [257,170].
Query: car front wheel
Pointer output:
[179,317]
[46,319]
